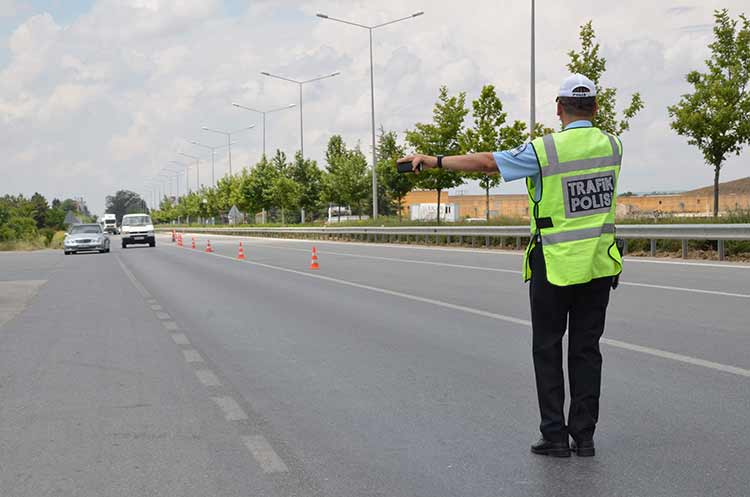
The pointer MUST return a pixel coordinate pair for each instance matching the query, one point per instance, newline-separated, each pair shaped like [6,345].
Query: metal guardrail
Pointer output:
[652,232]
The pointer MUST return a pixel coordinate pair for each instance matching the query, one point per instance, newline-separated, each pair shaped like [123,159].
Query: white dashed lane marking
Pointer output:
[192,356]
[232,410]
[267,458]
[207,377]
[180,339]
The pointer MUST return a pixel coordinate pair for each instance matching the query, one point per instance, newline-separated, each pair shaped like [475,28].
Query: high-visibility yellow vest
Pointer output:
[574,217]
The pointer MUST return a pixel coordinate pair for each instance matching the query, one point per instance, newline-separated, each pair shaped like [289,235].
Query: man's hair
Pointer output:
[578,106]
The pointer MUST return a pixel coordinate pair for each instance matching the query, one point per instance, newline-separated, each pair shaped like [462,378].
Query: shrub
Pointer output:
[7,234]
[24,228]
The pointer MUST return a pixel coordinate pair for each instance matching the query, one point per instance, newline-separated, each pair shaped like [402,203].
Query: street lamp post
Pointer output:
[168,178]
[187,167]
[197,168]
[263,113]
[228,134]
[213,156]
[177,180]
[300,84]
[372,94]
[150,188]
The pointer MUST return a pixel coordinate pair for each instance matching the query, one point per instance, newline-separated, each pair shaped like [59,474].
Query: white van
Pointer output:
[137,229]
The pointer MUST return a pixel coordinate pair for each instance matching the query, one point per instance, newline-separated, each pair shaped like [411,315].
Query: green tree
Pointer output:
[592,65]
[714,116]
[39,208]
[335,149]
[346,181]
[489,120]
[392,186]
[440,137]
[256,188]
[121,203]
[310,178]
[286,194]
[279,162]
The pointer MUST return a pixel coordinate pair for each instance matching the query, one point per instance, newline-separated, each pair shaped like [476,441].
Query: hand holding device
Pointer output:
[407,167]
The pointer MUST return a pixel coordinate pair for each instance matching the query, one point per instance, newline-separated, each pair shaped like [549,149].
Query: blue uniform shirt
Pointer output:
[522,163]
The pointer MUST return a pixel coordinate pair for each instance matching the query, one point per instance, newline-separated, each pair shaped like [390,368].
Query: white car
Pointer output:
[137,229]
[85,237]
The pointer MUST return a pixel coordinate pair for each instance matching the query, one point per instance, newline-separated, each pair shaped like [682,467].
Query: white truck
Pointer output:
[109,223]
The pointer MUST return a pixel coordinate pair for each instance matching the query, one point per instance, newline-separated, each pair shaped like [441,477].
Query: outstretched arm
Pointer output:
[482,162]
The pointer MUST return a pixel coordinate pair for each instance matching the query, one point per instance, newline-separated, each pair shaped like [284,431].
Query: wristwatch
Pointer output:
[439,161]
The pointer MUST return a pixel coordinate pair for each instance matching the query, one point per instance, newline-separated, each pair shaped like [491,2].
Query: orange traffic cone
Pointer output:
[179,240]
[208,247]
[193,244]
[314,262]
[241,253]
[173,237]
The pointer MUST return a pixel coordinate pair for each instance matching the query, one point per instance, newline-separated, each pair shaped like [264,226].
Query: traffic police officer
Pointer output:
[571,261]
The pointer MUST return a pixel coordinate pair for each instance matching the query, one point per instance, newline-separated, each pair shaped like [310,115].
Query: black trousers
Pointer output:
[582,310]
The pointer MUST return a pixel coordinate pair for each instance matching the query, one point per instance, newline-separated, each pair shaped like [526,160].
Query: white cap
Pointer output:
[575,82]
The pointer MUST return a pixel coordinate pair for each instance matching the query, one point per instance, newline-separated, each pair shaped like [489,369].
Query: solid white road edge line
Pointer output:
[689,290]
[512,271]
[500,317]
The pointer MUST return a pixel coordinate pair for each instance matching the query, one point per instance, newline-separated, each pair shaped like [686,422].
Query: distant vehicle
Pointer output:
[85,237]
[340,213]
[137,229]
[109,223]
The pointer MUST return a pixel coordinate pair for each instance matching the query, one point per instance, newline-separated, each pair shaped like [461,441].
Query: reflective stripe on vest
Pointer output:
[555,167]
[574,235]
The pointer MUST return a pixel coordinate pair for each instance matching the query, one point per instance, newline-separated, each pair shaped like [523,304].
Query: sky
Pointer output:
[100,95]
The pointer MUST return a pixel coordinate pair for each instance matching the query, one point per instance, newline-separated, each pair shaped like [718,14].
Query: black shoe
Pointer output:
[583,448]
[555,449]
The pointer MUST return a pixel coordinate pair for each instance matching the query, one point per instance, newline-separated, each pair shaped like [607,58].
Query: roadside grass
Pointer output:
[52,240]
[23,245]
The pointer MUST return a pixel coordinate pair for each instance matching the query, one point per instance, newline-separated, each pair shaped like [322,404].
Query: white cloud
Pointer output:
[103,102]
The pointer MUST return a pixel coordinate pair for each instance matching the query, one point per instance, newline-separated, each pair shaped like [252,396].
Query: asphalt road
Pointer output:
[391,371]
